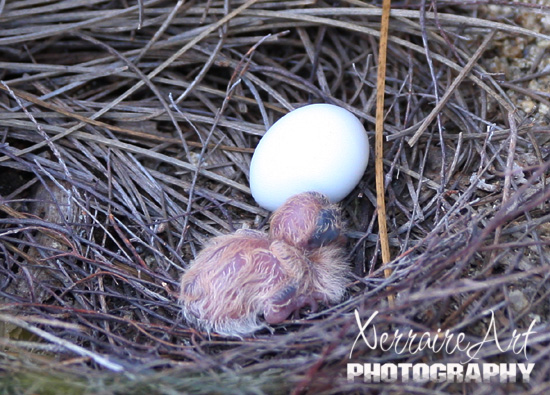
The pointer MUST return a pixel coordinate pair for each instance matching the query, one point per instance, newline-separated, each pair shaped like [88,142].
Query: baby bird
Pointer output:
[239,277]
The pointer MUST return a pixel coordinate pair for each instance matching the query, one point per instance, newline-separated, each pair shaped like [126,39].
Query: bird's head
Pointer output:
[307,221]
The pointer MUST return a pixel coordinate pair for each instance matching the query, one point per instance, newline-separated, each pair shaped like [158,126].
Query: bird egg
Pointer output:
[318,147]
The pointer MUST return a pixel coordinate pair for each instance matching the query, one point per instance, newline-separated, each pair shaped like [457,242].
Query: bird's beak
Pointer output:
[327,229]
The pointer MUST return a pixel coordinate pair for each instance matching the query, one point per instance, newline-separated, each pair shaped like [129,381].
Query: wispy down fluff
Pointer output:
[239,278]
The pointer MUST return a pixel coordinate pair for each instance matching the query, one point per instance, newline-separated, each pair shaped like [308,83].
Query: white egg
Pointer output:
[319,147]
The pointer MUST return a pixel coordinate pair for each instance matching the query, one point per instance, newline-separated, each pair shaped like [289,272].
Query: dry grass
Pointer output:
[126,134]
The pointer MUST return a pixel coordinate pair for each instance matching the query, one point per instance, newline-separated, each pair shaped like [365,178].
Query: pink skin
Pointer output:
[308,221]
[293,304]
[239,277]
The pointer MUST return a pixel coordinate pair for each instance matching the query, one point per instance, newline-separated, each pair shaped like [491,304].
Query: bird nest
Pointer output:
[127,130]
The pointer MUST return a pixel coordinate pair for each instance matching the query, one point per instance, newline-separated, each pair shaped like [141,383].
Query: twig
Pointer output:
[99,359]
[379,143]
[451,89]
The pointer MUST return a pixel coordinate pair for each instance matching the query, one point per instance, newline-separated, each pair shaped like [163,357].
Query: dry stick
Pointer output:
[128,132]
[208,30]
[97,358]
[375,33]
[141,76]
[507,183]
[62,28]
[451,89]
[510,160]
[379,142]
